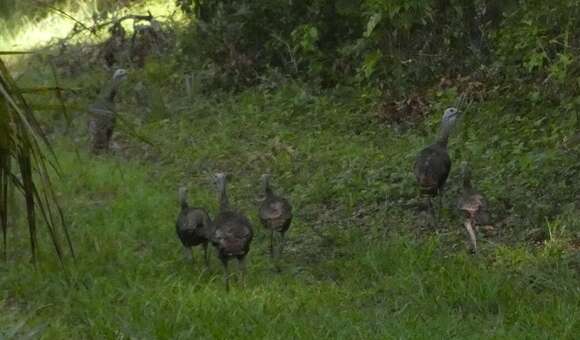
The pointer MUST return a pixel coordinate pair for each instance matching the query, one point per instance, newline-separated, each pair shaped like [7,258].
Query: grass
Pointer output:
[355,266]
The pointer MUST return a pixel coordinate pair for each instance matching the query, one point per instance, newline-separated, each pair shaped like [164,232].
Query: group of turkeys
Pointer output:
[231,233]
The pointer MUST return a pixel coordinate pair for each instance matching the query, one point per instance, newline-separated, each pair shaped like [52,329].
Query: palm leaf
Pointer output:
[26,161]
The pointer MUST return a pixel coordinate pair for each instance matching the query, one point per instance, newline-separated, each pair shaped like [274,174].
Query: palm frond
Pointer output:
[26,162]
[15,52]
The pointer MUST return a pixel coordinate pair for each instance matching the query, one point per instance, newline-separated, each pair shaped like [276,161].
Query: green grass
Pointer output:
[358,263]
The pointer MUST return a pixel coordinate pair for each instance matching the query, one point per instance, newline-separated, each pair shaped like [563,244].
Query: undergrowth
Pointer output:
[359,264]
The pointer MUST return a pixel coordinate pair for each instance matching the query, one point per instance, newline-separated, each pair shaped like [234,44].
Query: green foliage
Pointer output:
[538,42]
[393,42]
[240,39]
[400,45]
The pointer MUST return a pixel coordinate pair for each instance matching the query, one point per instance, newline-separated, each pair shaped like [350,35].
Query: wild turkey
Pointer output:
[433,164]
[232,232]
[474,205]
[103,116]
[275,214]
[193,227]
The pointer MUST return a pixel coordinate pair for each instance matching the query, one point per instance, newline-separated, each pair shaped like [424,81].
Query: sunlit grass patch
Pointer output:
[25,33]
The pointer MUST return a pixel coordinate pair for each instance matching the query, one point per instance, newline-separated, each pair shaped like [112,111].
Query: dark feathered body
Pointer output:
[276,213]
[193,226]
[232,235]
[432,167]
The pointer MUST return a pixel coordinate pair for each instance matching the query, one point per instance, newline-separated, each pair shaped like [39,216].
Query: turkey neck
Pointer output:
[109,92]
[267,189]
[467,181]
[183,199]
[223,197]
[444,134]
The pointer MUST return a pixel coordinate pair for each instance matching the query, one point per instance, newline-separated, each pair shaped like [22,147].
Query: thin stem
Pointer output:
[439,205]
[205,255]
[242,266]
[271,243]
[469,226]
[282,242]
[226,274]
